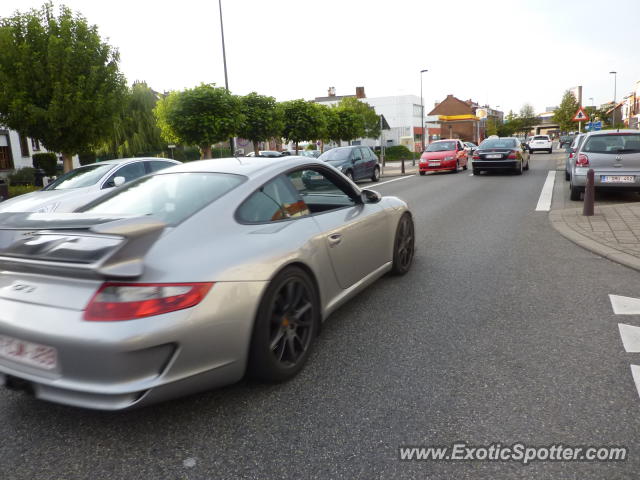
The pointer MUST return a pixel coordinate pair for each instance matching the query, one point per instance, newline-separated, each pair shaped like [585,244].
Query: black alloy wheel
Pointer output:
[286,325]
[404,245]
[376,174]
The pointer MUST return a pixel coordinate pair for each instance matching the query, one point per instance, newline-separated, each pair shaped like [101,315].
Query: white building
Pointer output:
[402,112]
[16,151]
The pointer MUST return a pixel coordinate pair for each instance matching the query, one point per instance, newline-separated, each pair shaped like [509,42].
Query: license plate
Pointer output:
[617,179]
[494,156]
[28,353]
[434,164]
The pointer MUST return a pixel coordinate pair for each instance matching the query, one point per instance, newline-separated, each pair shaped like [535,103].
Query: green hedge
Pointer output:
[398,152]
[15,190]
[46,161]
[23,176]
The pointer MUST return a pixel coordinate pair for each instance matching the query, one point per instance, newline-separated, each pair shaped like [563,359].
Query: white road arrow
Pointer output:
[625,305]
[630,337]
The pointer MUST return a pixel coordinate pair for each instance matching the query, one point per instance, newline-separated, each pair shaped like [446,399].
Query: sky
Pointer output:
[501,53]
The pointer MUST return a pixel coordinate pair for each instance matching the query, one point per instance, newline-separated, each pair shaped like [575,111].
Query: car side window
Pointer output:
[366,154]
[356,154]
[129,172]
[320,190]
[157,165]
[276,200]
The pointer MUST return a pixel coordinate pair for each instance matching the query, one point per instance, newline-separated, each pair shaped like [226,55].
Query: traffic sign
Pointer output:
[597,125]
[580,116]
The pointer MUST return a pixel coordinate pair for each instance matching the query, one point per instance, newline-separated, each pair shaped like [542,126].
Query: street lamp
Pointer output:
[613,112]
[422,115]
[224,61]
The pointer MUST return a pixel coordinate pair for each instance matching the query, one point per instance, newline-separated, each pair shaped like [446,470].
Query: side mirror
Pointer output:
[370,196]
[119,181]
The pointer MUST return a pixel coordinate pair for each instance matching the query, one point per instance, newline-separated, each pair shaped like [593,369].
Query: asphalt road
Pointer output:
[501,333]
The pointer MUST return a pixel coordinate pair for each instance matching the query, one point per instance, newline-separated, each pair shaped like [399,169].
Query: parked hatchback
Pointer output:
[571,154]
[83,185]
[356,162]
[540,143]
[615,158]
[444,155]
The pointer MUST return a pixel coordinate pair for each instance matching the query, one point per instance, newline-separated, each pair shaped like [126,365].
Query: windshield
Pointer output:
[170,197]
[499,143]
[541,137]
[81,177]
[441,147]
[613,143]
[336,154]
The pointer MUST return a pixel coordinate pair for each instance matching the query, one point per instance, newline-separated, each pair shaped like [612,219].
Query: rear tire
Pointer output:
[375,176]
[550,150]
[567,177]
[422,173]
[518,170]
[575,193]
[286,324]
[476,171]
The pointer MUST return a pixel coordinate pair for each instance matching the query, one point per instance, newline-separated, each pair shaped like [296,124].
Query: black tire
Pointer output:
[403,245]
[423,173]
[455,170]
[375,176]
[286,323]
[518,170]
[466,166]
[476,171]
[575,193]
[550,150]
[567,177]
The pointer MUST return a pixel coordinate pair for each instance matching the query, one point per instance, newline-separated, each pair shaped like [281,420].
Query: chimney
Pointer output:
[360,92]
[332,91]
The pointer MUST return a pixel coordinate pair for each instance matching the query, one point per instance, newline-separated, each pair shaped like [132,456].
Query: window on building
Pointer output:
[35,145]
[24,146]
[6,160]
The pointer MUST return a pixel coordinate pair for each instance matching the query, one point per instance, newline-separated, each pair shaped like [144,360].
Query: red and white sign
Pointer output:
[580,116]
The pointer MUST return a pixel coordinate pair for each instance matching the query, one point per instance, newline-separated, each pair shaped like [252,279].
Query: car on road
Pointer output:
[571,153]
[565,141]
[503,153]
[614,156]
[356,162]
[266,153]
[84,184]
[444,156]
[540,143]
[470,147]
[187,279]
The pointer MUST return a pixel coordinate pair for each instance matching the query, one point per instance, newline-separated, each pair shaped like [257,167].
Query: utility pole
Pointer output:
[424,135]
[226,78]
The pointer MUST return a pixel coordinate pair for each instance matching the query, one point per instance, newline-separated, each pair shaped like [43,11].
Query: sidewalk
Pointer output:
[613,232]
[393,169]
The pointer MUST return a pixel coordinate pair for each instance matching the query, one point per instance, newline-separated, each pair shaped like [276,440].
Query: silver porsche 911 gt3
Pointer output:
[189,278]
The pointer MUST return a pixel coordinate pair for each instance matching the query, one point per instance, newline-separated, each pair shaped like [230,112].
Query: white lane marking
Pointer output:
[544,202]
[635,371]
[189,462]
[630,337]
[625,305]
[471,174]
[393,180]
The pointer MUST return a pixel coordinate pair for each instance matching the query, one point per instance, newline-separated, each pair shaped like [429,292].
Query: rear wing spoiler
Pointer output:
[111,248]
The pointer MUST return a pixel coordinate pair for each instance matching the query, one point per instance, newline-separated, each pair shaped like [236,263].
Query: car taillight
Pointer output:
[476,156]
[571,155]
[114,302]
[512,155]
[582,161]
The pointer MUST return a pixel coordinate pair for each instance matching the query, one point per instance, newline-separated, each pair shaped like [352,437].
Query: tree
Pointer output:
[262,121]
[331,124]
[492,126]
[368,116]
[201,116]
[566,111]
[135,130]
[59,82]
[527,118]
[302,121]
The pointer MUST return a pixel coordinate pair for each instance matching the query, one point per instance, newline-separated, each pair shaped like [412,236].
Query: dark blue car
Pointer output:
[356,162]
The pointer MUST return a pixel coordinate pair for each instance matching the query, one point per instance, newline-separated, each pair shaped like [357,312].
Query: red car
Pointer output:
[444,155]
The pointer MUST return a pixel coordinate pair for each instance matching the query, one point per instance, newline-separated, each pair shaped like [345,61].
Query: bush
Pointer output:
[87,158]
[15,190]
[398,152]
[23,176]
[47,162]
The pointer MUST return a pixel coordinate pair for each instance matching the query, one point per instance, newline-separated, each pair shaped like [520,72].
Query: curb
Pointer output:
[613,254]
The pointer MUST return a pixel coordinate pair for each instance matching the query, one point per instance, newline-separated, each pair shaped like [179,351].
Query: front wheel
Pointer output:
[375,176]
[285,326]
[455,170]
[403,246]
[422,173]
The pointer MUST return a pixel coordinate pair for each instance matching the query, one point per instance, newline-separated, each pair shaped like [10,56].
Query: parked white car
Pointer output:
[540,142]
[82,185]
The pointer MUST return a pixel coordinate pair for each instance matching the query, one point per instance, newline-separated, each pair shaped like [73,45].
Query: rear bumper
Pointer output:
[579,179]
[495,164]
[120,365]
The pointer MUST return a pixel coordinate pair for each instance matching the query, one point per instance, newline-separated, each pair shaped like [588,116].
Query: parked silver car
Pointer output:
[82,185]
[184,280]
[614,155]
[571,155]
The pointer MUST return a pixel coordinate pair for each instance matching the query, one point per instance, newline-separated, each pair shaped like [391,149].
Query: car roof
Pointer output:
[247,166]
[117,161]
[612,132]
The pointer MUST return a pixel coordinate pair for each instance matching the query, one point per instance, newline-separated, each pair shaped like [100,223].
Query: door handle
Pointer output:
[334,239]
